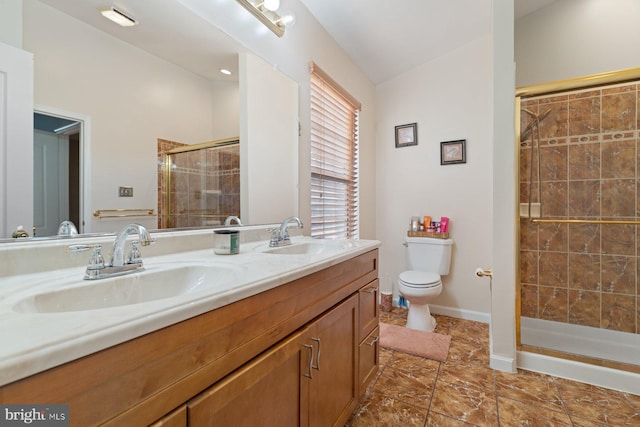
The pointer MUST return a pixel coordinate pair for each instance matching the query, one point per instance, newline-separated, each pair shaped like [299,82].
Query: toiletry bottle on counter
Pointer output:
[427,222]
[226,242]
[444,224]
[415,223]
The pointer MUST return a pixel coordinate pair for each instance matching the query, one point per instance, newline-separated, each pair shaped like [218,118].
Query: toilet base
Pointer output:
[420,318]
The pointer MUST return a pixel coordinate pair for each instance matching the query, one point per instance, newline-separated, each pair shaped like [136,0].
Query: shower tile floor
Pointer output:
[464,391]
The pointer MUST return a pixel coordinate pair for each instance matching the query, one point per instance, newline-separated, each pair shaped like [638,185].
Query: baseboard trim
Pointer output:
[476,316]
[501,363]
[614,379]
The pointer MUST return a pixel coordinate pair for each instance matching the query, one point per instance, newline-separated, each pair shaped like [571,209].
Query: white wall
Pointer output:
[504,221]
[131,97]
[268,148]
[449,98]
[11,22]
[573,38]
[226,107]
[16,136]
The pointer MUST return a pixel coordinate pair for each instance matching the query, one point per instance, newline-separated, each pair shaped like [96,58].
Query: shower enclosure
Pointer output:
[198,185]
[579,192]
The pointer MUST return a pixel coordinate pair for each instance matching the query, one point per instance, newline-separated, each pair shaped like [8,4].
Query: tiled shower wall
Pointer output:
[584,274]
[204,186]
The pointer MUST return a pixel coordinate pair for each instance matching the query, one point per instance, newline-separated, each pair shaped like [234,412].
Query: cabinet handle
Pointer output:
[317,367]
[310,347]
[372,289]
[374,340]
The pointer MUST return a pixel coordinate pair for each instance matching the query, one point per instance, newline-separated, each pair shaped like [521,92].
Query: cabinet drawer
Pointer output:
[369,359]
[368,306]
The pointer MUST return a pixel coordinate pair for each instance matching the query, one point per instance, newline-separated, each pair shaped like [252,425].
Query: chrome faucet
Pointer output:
[117,256]
[231,219]
[98,269]
[281,237]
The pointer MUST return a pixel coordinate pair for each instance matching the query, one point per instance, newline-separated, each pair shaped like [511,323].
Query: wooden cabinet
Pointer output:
[219,364]
[309,379]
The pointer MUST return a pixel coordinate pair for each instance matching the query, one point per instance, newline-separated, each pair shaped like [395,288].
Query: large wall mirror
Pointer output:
[127,91]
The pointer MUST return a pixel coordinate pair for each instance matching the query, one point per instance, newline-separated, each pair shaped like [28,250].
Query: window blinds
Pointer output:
[334,159]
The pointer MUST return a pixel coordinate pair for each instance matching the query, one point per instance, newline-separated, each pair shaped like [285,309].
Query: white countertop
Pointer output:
[34,342]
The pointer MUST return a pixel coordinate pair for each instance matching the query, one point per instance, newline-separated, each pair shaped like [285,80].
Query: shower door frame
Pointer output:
[584,82]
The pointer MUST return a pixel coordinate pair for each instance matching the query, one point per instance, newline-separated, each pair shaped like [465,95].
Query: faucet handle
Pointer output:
[72,249]
[274,236]
[96,262]
[135,257]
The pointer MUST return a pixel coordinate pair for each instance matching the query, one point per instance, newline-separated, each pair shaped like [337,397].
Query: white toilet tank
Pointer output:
[429,254]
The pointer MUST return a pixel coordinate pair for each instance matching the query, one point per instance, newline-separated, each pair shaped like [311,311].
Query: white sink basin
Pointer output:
[79,295]
[310,248]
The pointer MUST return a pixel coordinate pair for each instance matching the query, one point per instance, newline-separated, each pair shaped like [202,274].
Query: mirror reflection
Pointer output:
[132,90]
[56,173]
[199,184]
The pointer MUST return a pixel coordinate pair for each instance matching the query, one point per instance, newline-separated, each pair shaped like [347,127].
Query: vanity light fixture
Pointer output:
[266,12]
[118,17]
[271,5]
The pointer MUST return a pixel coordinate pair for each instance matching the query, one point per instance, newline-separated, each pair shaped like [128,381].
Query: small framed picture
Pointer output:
[452,152]
[406,135]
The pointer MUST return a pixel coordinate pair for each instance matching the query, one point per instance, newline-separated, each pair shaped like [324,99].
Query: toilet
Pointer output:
[428,259]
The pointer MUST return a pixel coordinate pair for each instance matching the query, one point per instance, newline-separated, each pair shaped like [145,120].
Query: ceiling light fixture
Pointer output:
[118,17]
[225,71]
[265,11]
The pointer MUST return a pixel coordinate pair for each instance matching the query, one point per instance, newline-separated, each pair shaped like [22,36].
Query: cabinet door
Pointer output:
[333,387]
[368,307]
[177,418]
[264,392]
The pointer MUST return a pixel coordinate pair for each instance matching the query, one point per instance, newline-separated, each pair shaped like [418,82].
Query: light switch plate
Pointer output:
[125,192]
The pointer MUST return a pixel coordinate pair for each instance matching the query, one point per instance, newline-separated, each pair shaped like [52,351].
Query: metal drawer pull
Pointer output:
[374,340]
[317,357]
[372,289]
[310,347]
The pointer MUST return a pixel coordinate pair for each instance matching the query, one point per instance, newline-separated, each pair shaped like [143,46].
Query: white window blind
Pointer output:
[334,159]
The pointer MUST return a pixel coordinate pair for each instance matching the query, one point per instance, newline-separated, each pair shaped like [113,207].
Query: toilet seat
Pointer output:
[419,279]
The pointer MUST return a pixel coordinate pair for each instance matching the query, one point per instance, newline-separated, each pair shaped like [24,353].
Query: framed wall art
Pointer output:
[406,135]
[453,152]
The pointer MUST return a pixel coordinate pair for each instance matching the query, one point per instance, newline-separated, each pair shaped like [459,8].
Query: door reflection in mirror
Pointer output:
[56,172]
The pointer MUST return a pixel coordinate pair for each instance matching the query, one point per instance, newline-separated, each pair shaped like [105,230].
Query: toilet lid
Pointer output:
[420,278]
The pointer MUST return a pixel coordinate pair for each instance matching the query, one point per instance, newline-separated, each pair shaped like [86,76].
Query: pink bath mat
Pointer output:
[426,344]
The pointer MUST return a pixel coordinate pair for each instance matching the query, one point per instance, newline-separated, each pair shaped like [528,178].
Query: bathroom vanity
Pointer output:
[295,340]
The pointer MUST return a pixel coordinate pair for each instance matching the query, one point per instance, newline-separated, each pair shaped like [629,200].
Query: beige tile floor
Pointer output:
[464,391]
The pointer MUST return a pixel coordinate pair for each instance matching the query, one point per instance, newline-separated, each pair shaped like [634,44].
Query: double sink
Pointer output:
[161,281]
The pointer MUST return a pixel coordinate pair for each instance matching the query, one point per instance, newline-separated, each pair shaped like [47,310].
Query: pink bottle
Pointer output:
[444,224]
